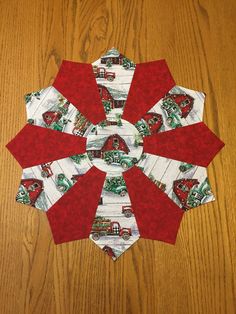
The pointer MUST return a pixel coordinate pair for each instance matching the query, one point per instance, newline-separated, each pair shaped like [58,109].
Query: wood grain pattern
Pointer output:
[198,274]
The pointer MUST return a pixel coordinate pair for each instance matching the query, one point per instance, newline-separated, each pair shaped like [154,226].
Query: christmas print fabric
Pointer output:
[117,152]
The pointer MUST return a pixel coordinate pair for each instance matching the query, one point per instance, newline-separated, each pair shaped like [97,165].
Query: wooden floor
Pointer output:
[197,275]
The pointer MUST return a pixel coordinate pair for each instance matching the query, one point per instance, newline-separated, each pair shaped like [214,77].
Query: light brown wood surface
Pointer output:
[197,275]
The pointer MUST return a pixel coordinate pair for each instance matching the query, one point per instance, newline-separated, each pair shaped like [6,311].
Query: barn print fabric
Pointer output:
[114,73]
[49,109]
[116,151]
[50,181]
[186,184]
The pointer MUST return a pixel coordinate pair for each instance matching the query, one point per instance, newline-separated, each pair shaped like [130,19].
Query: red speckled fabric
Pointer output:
[76,82]
[157,216]
[35,145]
[151,81]
[72,216]
[195,144]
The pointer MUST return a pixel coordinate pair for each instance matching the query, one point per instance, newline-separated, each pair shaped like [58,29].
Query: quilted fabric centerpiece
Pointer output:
[114,151]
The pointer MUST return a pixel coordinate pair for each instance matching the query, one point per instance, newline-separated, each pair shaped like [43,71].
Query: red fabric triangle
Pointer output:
[76,82]
[35,145]
[157,217]
[151,81]
[72,216]
[195,144]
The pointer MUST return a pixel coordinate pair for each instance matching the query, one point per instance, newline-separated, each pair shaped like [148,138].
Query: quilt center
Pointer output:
[114,145]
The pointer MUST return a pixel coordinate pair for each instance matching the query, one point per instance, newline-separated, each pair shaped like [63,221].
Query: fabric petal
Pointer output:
[179,107]
[43,185]
[185,184]
[50,109]
[151,81]
[114,228]
[34,145]
[114,73]
[77,83]
[158,217]
[195,144]
[72,216]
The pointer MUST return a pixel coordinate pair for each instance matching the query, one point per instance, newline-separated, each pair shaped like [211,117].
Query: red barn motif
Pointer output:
[154,121]
[112,142]
[34,187]
[116,99]
[182,188]
[183,101]
[50,117]
[115,142]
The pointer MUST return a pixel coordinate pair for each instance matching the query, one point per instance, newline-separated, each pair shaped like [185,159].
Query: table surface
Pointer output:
[197,275]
